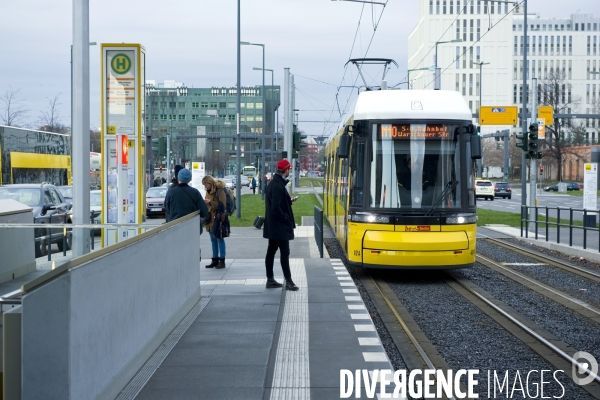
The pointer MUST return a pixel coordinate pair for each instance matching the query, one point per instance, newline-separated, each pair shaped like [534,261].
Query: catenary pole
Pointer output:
[524,115]
[238,153]
[80,129]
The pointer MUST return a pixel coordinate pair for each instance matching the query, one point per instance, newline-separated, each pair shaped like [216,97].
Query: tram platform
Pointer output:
[244,341]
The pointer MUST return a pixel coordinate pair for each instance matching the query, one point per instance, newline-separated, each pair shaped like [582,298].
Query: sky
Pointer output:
[194,42]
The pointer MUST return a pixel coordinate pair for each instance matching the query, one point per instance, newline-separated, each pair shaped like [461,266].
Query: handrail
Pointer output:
[81,260]
[526,221]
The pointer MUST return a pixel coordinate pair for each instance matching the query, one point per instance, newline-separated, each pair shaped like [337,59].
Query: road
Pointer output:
[545,199]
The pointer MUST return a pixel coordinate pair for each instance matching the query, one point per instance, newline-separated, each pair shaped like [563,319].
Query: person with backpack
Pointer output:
[215,195]
[253,183]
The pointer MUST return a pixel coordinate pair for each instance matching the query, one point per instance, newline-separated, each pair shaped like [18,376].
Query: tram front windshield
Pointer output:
[415,166]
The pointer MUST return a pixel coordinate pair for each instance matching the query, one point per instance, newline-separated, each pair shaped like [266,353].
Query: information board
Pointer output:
[590,186]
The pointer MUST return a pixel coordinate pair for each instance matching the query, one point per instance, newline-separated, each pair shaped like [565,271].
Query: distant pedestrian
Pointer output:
[253,183]
[183,199]
[174,183]
[215,195]
[279,225]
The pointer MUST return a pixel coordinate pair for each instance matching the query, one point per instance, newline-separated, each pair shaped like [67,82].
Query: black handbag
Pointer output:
[258,222]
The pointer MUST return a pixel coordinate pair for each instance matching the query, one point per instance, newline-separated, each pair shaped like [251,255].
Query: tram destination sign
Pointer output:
[414,131]
[498,115]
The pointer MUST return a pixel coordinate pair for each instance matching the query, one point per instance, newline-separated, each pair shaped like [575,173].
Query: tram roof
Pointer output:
[411,104]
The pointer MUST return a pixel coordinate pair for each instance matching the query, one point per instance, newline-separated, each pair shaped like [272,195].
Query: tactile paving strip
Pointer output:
[145,373]
[291,376]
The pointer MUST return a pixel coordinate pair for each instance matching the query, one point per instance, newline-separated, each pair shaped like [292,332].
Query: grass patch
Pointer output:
[252,206]
[489,217]
[306,181]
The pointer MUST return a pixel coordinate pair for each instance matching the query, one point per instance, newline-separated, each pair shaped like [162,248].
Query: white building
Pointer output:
[481,31]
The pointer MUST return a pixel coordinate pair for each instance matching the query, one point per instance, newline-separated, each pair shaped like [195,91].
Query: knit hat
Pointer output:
[184,175]
[177,169]
[284,165]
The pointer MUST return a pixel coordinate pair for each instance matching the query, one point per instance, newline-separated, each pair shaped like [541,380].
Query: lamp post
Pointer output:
[409,71]
[481,64]
[437,83]
[238,150]
[270,98]
[262,167]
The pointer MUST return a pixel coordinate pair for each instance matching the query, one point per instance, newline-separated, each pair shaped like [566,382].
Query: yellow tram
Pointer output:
[400,180]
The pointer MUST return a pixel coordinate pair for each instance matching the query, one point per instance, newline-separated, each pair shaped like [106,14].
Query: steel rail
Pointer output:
[528,330]
[567,267]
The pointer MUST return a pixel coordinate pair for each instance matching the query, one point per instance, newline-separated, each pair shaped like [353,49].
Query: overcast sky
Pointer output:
[194,42]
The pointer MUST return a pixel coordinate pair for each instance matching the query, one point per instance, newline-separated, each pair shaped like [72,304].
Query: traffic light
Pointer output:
[541,170]
[523,141]
[155,145]
[533,140]
[162,146]
[297,142]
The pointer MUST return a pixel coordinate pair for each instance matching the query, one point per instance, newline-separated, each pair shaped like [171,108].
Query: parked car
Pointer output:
[96,208]
[570,187]
[485,189]
[155,201]
[502,189]
[67,192]
[49,207]
[229,183]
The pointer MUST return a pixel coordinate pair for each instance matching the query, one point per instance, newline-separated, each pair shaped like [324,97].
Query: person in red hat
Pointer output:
[279,225]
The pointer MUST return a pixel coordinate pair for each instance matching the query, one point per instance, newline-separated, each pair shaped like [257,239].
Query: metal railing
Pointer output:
[588,225]
[318,224]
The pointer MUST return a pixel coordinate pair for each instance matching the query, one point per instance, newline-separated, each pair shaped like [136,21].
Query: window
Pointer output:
[172,104]
[477,90]
[231,105]
[195,117]
[570,45]
[222,104]
[437,6]
[163,104]
[471,57]
[464,84]
[458,29]
[464,30]
[576,27]
[444,7]
[181,117]
[533,46]
[492,7]
[204,104]
[163,117]
[451,6]
[457,62]
[545,45]
[154,117]
[478,6]
[589,47]
[250,105]
[516,45]
[471,31]
[259,106]
[430,6]
[485,10]
[551,45]
[515,69]
[155,104]
[557,46]
[472,8]
[213,105]
[514,94]
[457,87]
[464,52]
[478,29]
[195,104]
[564,53]
[182,104]
[470,84]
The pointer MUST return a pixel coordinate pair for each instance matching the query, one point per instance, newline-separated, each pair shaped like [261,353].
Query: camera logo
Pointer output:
[585,368]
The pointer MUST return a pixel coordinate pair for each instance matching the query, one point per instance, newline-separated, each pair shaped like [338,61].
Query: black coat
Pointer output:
[279,217]
[182,200]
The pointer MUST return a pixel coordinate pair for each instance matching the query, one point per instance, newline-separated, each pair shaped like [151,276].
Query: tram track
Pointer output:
[396,295]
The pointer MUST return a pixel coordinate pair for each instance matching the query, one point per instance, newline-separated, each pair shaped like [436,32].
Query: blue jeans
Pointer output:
[218,246]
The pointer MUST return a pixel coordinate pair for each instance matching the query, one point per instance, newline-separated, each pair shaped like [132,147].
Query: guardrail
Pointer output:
[589,223]
[318,224]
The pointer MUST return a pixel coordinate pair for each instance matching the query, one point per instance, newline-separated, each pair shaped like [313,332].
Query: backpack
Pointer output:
[230,206]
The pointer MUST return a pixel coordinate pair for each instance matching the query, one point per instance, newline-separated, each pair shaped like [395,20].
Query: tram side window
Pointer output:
[344,183]
[358,170]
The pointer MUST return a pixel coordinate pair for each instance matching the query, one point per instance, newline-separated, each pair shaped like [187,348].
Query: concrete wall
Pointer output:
[16,244]
[88,331]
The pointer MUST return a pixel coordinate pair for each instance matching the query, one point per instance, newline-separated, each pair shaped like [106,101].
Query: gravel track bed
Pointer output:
[572,284]
[469,339]
[472,342]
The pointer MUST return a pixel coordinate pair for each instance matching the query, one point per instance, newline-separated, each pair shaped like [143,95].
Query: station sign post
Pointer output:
[590,192]
[123,141]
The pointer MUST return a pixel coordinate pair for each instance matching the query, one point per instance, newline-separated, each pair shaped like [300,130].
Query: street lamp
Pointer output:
[481,64]
[438,84]
[415,69]
[270,98]
[262,191]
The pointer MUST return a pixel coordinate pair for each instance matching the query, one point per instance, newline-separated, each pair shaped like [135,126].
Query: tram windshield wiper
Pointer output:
[450,186]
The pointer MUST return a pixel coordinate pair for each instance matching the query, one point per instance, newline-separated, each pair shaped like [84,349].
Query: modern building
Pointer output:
[479,46]
[181,111]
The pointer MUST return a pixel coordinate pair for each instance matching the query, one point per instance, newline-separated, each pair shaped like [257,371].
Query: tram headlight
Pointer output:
[370,218]
[461,219]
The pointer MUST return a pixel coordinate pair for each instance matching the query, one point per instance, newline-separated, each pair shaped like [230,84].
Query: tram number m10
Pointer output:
[407,131]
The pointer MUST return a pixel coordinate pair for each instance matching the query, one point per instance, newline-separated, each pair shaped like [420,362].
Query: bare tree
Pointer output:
[555,91]
[50,119]
[13,112]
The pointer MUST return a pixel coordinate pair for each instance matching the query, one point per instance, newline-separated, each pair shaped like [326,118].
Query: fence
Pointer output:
[579,232]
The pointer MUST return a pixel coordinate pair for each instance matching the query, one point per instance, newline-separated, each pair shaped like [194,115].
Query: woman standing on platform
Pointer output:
[215,195]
